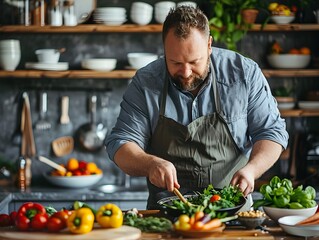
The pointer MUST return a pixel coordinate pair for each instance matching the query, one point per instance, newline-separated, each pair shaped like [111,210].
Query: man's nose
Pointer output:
[186,71]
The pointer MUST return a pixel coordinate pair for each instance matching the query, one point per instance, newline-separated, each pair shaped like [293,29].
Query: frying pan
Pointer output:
[91,135]
[168,200]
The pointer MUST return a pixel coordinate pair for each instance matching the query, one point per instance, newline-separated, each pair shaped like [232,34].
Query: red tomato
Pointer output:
[215,198]
[82,164]
[22,222]
[63,215]
[77,172]
[55,224]
[5,220]
[13,216]
[39,221]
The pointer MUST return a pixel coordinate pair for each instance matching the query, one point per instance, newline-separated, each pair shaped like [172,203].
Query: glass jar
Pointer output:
[69,16]
[38,12]
[55,13]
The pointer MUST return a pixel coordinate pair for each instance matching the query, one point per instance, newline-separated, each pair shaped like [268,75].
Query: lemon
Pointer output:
[272,6]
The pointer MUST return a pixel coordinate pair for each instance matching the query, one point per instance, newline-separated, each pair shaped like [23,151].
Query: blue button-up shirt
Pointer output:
[247,104]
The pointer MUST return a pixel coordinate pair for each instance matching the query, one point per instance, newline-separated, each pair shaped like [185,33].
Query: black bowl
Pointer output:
[176,212]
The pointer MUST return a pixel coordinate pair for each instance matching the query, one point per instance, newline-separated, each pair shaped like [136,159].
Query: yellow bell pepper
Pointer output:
[109,216]
[81,221]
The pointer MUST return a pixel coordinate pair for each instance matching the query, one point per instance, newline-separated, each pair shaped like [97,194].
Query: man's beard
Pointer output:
[193,81]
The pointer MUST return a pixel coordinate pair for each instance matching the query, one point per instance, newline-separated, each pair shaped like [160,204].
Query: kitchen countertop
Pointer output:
[9,194]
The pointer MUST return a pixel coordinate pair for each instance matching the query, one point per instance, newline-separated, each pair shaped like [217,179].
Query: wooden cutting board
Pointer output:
[121,233]
[225,235]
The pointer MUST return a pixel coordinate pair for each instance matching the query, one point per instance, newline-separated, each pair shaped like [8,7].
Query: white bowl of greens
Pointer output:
[281,198]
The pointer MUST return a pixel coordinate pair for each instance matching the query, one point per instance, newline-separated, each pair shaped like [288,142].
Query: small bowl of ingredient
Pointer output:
[251,219]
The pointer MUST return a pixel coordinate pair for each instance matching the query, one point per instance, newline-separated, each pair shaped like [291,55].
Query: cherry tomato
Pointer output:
[77,172]
[13,216]
[63,215]
[39,221]
[55,224]
[215,198]
[5,220]
[82,164]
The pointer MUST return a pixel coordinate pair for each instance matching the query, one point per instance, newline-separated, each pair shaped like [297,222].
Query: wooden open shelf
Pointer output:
[118,74]
[131,28]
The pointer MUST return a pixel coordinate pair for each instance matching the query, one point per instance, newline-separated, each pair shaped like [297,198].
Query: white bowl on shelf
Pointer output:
[288,60]
[139,60]
[280,19]
[99,64]
[48,55]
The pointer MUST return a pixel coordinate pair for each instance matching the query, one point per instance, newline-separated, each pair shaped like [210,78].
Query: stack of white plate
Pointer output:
[113,16]
[141,13]
[162,8]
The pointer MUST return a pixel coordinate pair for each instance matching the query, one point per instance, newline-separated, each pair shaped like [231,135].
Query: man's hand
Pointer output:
[135,162]
[245,180]
[163,174]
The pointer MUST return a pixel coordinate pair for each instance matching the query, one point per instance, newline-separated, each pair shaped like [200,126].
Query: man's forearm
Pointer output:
[264,155]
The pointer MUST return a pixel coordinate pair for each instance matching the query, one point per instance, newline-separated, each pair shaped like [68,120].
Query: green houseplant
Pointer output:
[227,22]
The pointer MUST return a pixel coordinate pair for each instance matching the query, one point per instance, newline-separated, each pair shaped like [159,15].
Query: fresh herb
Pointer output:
[147,224]
[281,194]
[50,210]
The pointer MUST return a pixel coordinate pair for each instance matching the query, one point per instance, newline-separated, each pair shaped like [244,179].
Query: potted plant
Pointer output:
[227,21]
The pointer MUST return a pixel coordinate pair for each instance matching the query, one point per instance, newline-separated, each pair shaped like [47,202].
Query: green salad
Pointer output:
[210,201]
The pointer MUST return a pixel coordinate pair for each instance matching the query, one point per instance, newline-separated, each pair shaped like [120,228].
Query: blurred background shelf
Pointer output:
[86,28]
[118,74]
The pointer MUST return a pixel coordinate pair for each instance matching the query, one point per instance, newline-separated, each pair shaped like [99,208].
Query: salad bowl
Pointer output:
[172,206]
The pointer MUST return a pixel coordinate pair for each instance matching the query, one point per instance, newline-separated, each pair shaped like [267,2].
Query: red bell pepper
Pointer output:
[31,216]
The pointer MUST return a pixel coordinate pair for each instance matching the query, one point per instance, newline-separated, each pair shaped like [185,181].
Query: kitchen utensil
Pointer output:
[52,164]
[316,13]
[43,123]
[63,146]
[121,233]
[91,135]
[64,118]
[28,144]
[181,197]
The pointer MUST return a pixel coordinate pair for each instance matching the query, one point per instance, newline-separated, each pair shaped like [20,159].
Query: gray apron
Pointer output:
[203,152]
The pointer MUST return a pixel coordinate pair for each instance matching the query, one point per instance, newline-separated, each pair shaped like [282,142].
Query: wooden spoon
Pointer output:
[181,197]
[52,164]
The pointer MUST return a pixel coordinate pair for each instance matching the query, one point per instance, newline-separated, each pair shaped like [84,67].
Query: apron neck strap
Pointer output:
[214,87]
